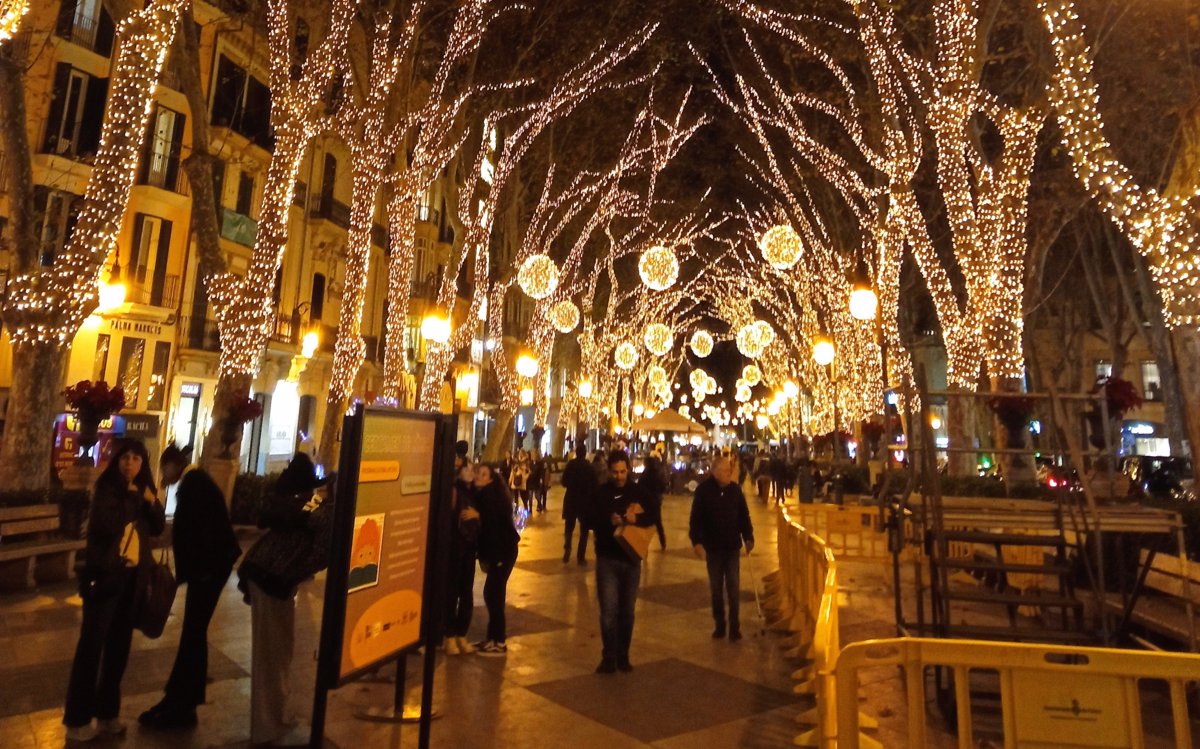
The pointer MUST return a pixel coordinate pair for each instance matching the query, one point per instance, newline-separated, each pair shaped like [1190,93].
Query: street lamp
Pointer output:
[435,328]
[823,354]
[112,292]
[585,389]
[823,351]
[527,366]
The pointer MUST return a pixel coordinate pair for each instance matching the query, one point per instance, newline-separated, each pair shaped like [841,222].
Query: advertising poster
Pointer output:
[386,569]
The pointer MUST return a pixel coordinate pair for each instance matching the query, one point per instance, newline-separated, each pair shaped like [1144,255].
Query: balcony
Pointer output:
[374,346]
[426,289]
[237,227]
[165,295]
[162,178]
[285,328]
[201,333]
[325,207]
[427,214]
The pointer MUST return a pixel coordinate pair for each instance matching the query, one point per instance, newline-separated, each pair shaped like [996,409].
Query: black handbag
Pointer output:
[156,588]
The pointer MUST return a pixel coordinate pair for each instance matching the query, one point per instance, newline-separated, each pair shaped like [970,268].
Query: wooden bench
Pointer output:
[1162,607]
[31,550]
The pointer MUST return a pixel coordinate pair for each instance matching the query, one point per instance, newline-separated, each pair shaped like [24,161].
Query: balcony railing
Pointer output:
[285,328]
[83,32]
[166,296]
[426,289]
[428,214]
[325,207]
[201,333]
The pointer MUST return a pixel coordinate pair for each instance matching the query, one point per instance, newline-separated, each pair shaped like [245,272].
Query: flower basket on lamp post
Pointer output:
[1013,412]
[872,432]
[244,409]
[92,402]
[1120,397]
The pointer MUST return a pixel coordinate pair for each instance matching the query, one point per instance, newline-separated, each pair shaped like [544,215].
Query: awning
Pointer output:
[669,420]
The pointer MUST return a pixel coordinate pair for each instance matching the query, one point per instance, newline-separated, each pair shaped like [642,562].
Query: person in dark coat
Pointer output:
[460,594]
[618,574]
[719,525]
[778,471]
[205,551]
[125,514]
[498,539]
[655,485]
[580,481]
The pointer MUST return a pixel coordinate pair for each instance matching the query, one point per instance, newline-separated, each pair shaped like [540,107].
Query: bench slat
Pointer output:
[26,549]
[27,512]
[23,527]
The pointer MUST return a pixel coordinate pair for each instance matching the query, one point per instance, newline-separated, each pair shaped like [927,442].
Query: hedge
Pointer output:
[250,492]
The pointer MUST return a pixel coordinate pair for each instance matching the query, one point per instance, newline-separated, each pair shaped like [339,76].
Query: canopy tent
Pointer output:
[669,420]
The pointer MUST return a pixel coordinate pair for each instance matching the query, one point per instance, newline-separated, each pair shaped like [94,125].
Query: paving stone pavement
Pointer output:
[688,690]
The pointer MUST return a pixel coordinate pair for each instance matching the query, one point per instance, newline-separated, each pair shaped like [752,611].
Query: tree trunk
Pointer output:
[500,440]
[33,402]
[329,452]
[224,469]
[960,426]
[1187,355]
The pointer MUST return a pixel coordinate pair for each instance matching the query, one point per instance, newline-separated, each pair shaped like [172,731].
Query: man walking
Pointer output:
[719,525]
[580,481]
[619,502]
[205,550]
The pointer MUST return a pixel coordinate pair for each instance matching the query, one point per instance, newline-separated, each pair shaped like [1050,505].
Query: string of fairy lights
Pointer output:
[11,13]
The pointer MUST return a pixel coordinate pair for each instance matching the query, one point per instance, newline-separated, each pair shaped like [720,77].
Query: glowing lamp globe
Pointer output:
[435,328]
[659,268]
[527,366]
[781,246]
[564,316]
[743,394]
[526,396]
[752,374]
[864,304]
[659,338]
[701,343]
[626,355]
[823,351]
[585,389]
[112,295]
[791,389]
[638,409]
[538,276]
[309,344]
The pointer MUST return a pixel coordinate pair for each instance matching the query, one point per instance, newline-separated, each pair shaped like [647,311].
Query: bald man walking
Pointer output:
[719,526]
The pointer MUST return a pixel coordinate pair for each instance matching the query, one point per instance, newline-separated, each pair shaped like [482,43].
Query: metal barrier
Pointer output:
[1049,696]
[853,532]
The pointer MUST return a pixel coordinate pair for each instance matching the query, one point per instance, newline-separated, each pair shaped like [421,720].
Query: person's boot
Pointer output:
[566,556]
[719,632]
[607,666]
[623,664]
[735,632]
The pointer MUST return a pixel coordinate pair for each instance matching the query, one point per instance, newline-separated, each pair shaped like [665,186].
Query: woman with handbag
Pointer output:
[498,539]
[295,547]
[124,515]
[460,594]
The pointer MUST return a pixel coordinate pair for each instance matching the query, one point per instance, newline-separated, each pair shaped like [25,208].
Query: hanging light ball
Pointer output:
[750,341]
[743,393]
[781,246]
[538,276]
[765,332]
[752,374]
[659,268]
[658,377]
[701,343]
[710,386]
[659,338]
[564,316]
[626,355]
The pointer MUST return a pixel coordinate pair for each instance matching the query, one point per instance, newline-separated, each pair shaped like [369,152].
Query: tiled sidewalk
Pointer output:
[687,690]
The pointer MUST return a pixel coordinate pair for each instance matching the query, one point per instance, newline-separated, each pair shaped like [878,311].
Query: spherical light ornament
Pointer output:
[435,328]
[564,316]
[750,341]
[697,379]
[626,355]
[659,338]
[864,304]
[538,276]
[638,409]
[781,246]
[659,268]
[710,386]
[743,394]
[752,374]
[658,377]
[701,343]
[791,389]
[765,331]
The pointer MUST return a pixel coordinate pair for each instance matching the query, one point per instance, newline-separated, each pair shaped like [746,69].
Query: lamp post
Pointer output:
[824,352]
[435,328]
[864,306]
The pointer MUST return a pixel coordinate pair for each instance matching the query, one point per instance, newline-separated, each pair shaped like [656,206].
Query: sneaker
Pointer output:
[624,666]
[735,635]
[607,666]
[111,727]
[493,649]
[82,733]
[464,647]
[719,632]
[451,647]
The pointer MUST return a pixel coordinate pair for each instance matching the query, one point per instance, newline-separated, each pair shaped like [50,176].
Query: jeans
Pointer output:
[495,592]
[616,586]
[94,689]
[186,687]
[460,592]
[724,578]
[568,532]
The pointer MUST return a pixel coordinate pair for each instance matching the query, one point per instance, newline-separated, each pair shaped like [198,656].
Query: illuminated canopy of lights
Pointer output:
[659,339]
[564,316]
[781,246]
[626,355]
[659,268]
[538,276]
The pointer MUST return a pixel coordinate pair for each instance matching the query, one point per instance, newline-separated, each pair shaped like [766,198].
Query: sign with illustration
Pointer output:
[383,516]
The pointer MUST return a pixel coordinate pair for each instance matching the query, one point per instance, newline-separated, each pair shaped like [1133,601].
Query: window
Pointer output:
[100,365]
[76,112]
[86,23]
[59,210]
[156,392]
[150,251]
[241,102]
[425,209]
[328,181]
[129,369]
[318,297]
[277,291]
[1103,369]
[300,49]
[164,140]
[1151,382]
[245,195]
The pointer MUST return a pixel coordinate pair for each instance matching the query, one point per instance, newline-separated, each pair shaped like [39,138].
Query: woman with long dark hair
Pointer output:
[498,539]
[125,514]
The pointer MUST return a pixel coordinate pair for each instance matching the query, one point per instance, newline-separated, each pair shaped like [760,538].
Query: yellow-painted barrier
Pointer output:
[852,532]
[1050,697]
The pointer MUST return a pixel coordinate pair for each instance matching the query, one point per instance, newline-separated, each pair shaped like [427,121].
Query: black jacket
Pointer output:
[498,537]
[580,480]
[202,536]
[610,499]
[113,507]
[720,518]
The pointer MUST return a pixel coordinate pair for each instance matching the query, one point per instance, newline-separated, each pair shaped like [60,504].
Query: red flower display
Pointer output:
[1121,395]
[95,399]
[245,408]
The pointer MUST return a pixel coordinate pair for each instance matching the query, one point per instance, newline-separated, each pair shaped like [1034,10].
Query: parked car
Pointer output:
[1158,476]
